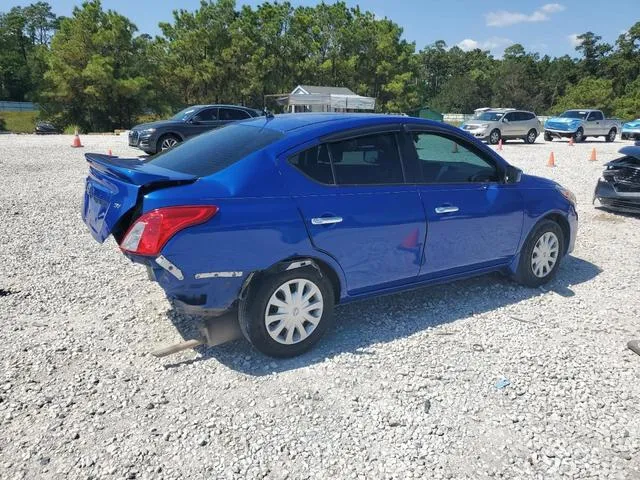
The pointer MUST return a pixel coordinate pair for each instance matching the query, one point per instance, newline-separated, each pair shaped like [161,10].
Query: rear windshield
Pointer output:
[213,151]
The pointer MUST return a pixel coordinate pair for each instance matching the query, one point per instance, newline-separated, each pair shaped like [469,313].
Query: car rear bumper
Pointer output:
[195,293]
[611,199]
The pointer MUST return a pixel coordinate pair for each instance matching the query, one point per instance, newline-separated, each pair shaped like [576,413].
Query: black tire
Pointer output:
[495,136]
[579,136]
[531,136]
[611,136]
[165,140]
[525,274]
[253,308]
[624,136]
[548,137]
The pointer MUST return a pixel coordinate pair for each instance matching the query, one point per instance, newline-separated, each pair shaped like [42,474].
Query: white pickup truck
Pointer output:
[580,124]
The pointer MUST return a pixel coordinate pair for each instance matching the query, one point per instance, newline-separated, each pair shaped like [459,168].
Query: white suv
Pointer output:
[505,124]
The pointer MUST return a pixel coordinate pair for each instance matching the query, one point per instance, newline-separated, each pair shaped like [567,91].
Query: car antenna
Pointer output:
[268,113]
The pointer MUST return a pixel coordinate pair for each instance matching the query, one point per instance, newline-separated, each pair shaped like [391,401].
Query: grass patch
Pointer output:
[18,122]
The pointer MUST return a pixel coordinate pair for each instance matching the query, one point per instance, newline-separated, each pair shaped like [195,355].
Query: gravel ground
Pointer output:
[403,386]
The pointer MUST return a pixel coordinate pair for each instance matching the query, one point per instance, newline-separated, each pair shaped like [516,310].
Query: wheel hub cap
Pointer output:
[545,254]
[293,311]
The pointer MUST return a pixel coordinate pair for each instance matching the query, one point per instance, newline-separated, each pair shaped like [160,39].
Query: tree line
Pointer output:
[93,69]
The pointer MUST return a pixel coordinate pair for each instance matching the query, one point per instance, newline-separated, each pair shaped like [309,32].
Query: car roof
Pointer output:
[223,105]
[299,122]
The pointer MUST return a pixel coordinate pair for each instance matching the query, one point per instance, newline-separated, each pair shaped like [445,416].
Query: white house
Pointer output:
[310,98]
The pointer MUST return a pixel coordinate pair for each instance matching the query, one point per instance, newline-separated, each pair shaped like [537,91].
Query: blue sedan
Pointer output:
[281,218]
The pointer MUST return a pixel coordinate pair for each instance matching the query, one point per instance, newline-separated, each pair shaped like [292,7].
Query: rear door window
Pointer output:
[367,160]
[315,164]
[230,114]
[595,116]
[214,151]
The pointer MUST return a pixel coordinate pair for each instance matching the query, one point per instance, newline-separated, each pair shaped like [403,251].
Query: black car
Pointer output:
[619,187]
[46,128]
[156,136]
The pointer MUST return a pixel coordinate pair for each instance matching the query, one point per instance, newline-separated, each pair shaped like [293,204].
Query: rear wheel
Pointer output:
[540,257]
[285,314]
[494,136]
[531,136]
[611,136]
[167,141]
[624,136]
[548,137]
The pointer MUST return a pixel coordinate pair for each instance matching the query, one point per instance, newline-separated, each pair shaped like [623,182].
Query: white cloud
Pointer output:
[493,43]
[502,18]
[574,40]
[552,8]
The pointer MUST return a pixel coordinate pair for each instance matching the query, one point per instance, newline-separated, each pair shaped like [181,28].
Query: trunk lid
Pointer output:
[114,188]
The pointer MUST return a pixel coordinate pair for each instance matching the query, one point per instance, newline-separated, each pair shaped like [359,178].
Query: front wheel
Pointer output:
[494,136]
[531,136]
[541,254]
[578,136]
[548,137]
[167,141]
[285,314]
[611,136]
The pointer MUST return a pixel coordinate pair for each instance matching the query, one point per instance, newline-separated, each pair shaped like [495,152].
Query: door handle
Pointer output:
[325,220]
[447,209]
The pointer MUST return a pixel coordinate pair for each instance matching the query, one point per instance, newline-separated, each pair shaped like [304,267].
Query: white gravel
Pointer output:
[402,387]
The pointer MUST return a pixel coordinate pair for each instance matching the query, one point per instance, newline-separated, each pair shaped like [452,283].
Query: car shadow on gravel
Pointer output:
[362,324]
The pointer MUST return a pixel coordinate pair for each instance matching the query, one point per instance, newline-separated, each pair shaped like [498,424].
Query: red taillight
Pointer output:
[152,231]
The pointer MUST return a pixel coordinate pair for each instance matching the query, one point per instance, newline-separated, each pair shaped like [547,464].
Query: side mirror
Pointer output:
[504,120]
[512,175]
[194,121]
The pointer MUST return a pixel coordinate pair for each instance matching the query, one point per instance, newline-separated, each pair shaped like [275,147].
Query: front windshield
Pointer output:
[491,116]
[574,114]
[183,114]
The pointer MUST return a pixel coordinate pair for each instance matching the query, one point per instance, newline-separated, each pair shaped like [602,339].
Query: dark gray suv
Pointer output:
[156,136]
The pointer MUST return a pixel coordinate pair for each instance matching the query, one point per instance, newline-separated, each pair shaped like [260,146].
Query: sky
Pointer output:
[545,27]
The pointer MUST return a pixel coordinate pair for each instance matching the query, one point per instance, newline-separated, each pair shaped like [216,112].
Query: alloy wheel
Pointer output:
[294,311]
[168,143]
[545,254]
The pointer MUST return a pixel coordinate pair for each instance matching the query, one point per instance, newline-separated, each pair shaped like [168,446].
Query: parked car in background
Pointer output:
[580,124]
[46,128]
[282,218]
[506,124]
[619,187]
[154,137]
[631,130]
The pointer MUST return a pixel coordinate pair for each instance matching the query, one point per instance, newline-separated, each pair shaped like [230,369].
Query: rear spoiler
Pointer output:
[135,170]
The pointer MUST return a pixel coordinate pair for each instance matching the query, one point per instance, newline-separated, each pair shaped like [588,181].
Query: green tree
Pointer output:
[96,77]
[589,92]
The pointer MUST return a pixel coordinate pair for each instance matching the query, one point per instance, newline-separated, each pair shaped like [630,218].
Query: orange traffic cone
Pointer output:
[455,148]
[571,142]
[76,141]
[500,145]
[552,160]
[593,155]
